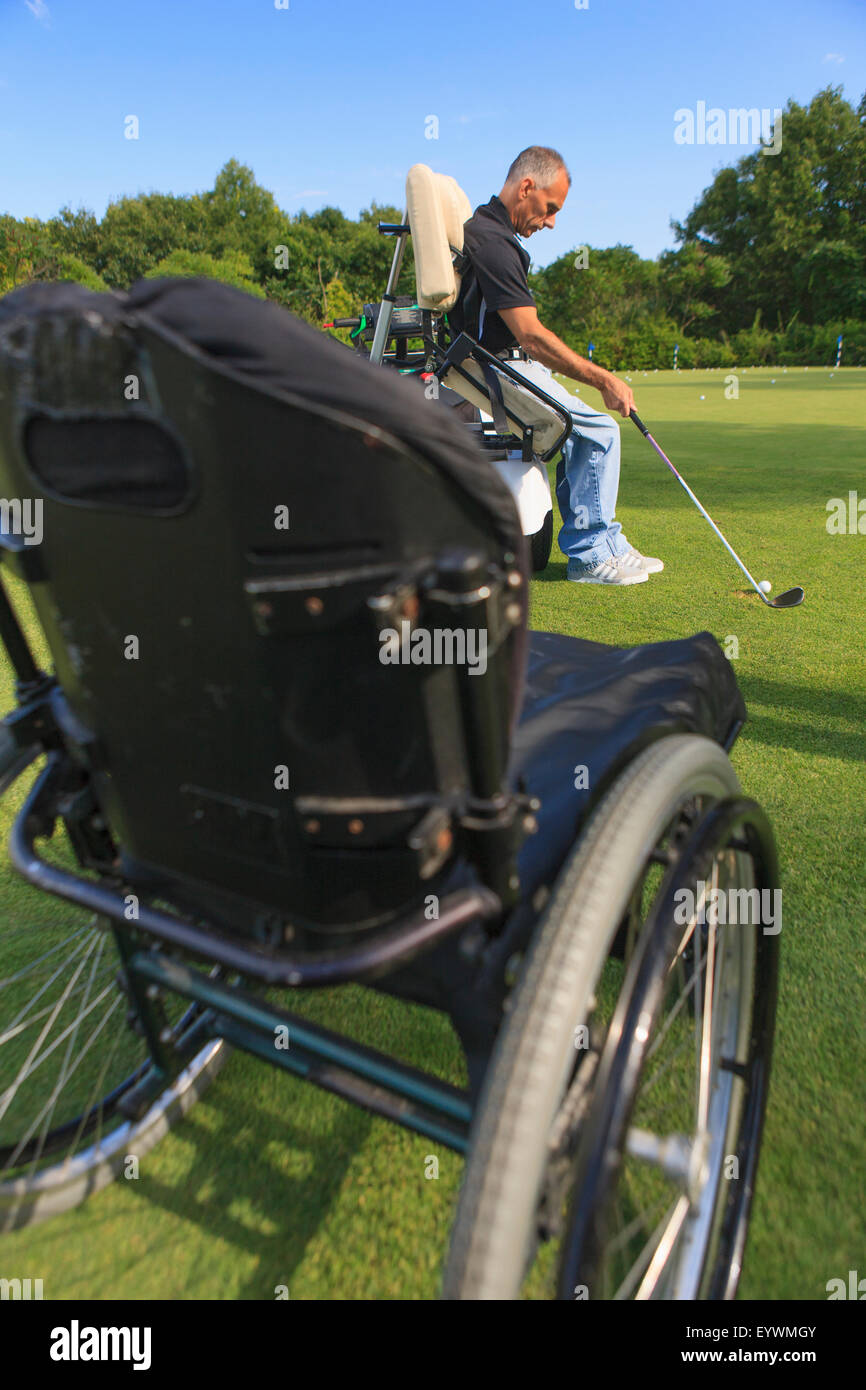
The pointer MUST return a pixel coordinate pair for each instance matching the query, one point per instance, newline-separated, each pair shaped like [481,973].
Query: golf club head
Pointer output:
[789,599]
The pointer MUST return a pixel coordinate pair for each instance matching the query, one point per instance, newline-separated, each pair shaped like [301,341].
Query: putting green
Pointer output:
[270,1183]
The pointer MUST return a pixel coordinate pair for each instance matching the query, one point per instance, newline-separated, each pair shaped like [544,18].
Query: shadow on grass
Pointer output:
[234,1170]
[774,731]
[555,572]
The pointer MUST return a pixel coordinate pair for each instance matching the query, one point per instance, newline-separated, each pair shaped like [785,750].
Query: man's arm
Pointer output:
[547,348]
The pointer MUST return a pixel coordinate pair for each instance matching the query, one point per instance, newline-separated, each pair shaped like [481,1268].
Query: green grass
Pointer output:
[270,1182]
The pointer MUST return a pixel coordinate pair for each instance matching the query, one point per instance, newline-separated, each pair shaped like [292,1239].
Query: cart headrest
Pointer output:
[438,208]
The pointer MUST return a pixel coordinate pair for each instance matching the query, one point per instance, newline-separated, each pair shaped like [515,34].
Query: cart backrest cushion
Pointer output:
[438,209]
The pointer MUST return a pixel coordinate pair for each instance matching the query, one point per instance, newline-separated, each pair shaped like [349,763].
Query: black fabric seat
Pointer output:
[584,705]
[594,706]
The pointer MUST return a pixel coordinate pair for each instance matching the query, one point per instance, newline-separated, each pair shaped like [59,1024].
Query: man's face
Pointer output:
[537,207]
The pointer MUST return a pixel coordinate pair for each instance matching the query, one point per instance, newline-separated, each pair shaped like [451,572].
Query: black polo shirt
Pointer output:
[495,280]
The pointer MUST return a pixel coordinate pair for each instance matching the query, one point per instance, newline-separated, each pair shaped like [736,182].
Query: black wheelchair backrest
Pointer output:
[284,596]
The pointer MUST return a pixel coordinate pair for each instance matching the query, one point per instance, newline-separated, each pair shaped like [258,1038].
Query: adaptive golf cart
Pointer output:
[218,788]
[519,426]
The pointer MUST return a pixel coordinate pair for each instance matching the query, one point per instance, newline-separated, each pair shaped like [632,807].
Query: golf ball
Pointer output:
[703,398]
[765,586]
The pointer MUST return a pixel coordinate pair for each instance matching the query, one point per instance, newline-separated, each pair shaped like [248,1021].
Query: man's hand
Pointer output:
[617,395]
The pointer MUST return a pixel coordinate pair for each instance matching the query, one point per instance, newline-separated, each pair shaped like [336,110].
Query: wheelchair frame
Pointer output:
[703,821]
[369,1078]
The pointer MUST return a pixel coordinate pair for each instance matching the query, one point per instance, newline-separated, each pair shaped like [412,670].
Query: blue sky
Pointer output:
[328,100]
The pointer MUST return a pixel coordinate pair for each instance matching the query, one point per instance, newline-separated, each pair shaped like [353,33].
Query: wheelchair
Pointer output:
[219,790]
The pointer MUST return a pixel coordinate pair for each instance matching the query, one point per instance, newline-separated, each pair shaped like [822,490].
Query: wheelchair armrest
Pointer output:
[464,347]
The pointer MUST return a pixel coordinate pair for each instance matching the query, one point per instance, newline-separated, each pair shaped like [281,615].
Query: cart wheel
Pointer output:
[540,545]
[600,1162]
[70,1056]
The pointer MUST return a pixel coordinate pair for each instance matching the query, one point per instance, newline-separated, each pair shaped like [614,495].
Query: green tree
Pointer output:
[791,227]
[232,269]
[240,215]
[74,268]
[690,280]
[136,233]
[26,252]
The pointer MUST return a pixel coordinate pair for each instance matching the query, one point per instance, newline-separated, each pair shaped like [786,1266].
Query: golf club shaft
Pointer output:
[703,511]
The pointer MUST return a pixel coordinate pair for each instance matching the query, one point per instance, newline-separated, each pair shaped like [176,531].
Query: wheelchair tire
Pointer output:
[62,1025]
[541,544]
[533,1074]
[709,1185]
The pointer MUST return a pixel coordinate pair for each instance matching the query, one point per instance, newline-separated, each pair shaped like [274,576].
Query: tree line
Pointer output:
[768,265]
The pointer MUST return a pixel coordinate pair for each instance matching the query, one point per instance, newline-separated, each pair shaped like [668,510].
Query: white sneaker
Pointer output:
[619,569]
[650,563]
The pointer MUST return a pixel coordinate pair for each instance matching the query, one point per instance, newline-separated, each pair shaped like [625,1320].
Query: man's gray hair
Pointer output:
[538,162]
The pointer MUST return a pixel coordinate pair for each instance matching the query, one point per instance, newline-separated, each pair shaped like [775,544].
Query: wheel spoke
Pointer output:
[18,1023]
[26,969]
[65,1071]
[30,1066]
[666,1241]
[644,1259]
[671,1019]
[703,1106]
[91,1106]
[626,1233]
[22,1025]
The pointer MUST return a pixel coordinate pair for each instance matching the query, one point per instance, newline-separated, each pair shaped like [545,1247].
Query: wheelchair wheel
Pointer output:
[70,1056]
[615,1143]
[541,543]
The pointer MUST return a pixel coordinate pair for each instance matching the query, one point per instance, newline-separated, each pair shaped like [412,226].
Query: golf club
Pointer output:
[790,598]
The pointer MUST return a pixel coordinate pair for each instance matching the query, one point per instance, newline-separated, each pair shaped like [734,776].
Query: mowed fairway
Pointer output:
[269,1182]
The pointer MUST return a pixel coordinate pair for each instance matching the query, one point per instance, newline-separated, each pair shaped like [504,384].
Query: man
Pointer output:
[496,306]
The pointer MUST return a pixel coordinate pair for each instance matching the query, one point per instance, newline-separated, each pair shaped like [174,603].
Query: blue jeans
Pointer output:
[587,477]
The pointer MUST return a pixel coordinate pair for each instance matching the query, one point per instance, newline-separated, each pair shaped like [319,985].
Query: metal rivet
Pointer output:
[314,606]
[355,826]
[313,827]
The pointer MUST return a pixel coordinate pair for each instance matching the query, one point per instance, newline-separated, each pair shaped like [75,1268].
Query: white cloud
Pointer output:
[833,58]
[38,8]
